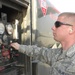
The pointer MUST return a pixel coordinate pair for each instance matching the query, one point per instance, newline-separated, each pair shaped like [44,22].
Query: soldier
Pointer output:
[62,61]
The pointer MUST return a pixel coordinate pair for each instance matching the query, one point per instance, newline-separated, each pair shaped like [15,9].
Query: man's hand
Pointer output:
[15,45]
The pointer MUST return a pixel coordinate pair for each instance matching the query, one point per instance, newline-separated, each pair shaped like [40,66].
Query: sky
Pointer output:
[64,5]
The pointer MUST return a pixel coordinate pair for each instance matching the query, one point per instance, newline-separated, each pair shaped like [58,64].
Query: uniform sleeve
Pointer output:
[39,53]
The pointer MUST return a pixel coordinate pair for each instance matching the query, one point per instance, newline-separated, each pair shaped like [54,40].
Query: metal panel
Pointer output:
[10,71]
[11,4]
[21,2]
[39,68]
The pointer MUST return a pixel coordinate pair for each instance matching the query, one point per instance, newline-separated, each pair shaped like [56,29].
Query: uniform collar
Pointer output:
[71,51]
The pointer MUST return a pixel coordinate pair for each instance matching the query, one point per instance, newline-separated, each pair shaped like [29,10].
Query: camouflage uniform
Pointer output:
[62,62]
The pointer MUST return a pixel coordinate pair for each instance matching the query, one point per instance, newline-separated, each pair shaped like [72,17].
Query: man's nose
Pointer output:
[53,27]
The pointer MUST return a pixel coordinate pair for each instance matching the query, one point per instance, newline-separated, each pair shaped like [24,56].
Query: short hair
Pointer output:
[69,17]
[67,14]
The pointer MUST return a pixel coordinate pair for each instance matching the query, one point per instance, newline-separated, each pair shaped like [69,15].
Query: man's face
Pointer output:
[61,30]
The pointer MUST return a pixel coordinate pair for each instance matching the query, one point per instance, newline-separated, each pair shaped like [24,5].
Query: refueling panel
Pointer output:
[8,56]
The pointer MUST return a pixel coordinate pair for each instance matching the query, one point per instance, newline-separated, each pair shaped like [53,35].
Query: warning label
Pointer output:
[43,6]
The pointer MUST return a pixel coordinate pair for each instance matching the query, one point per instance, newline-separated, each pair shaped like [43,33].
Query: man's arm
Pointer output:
[39,53]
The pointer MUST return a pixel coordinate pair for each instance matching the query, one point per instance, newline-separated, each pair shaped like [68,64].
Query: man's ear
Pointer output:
[70,30]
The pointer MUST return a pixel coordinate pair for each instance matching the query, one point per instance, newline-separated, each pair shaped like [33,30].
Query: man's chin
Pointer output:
[56,39]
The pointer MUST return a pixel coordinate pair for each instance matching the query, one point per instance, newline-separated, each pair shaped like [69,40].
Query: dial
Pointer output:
[5,39]
[9,28]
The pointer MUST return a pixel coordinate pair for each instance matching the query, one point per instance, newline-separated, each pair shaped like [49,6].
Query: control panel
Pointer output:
[8,56]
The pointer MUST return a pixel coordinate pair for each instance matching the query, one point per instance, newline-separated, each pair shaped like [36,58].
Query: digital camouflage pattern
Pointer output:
[62,62]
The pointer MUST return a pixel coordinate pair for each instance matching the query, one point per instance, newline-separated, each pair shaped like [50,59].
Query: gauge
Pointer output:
[9,28]
[2,28]
[5,39]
